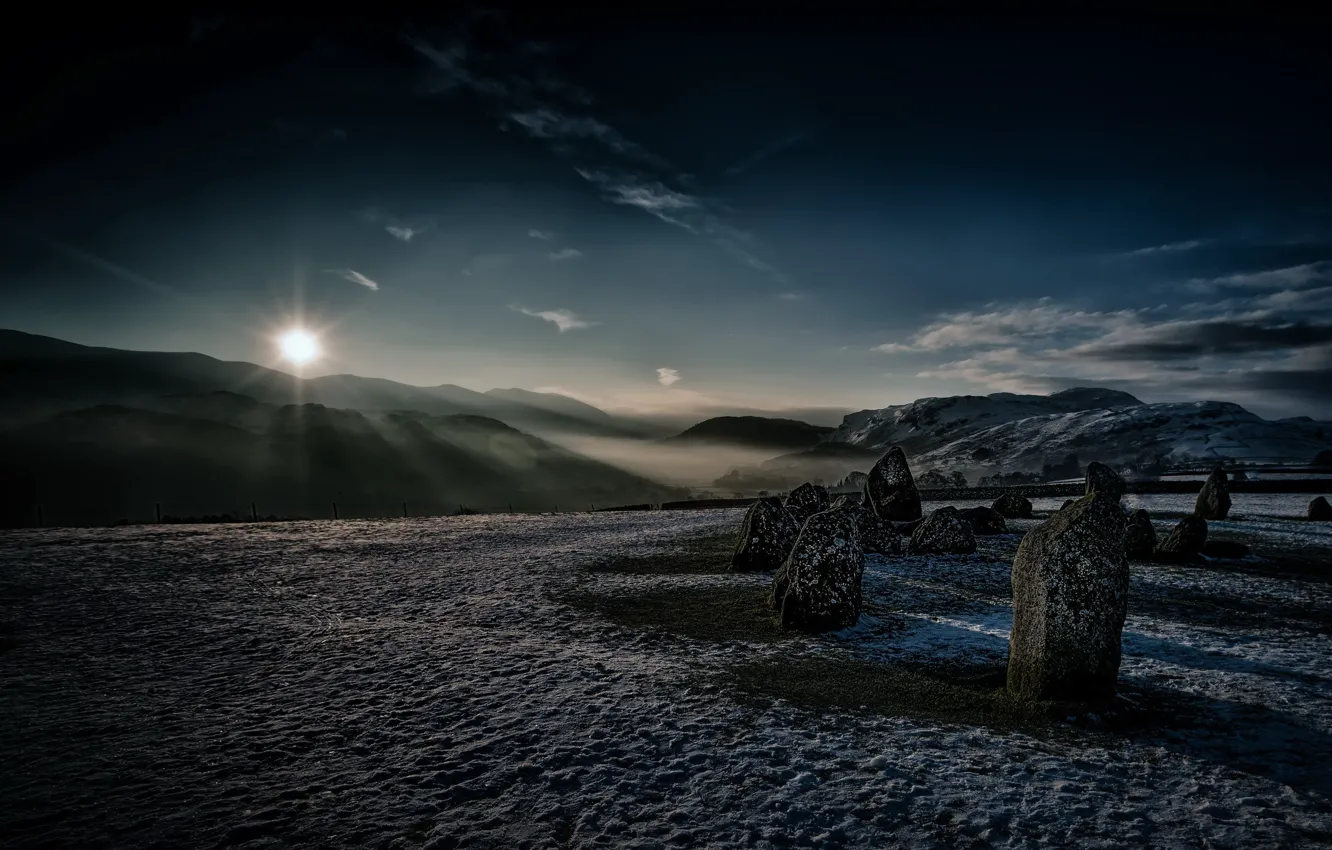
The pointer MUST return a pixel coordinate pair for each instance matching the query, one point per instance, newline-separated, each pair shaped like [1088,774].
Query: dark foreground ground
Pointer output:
[600,680]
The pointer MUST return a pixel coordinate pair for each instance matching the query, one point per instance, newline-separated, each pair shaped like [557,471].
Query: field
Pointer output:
[600,680]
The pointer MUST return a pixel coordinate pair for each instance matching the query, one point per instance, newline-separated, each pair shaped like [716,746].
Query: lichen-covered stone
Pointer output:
[1103,479]
[1319,509]
[984,520]
[766,538]
[943,532]
[1185,541]
[877,536]
[1214,497]
[906,529]
[1013,506]
[818,587]
[1139,536]
[1070,597]
[891,490]
[1225,550]
[807,500]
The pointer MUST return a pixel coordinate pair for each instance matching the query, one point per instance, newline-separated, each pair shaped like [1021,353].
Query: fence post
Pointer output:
[510,507]
[254,513]
[335,510]
[557,507]
[404,510]
[159,512]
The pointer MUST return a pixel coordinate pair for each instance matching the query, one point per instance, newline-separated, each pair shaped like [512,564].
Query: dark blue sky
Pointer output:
[779,212]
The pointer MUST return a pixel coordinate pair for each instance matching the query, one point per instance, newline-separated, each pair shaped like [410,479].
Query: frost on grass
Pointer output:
[604,680]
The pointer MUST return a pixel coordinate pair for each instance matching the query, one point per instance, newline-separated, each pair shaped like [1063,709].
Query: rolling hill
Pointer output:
[752,432]
[107,462]
[40,376]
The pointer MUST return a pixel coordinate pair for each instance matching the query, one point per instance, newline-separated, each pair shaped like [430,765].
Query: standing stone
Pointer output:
[984,520]
[1185,541]
[877,536]
[766,539]
[1013,506]
[943,532]
[1319,509]
[818,587]
[807,500]
[891,491]
[1066,503]
[1070,597]
[1214,497]
[1140,536]
[1103,479]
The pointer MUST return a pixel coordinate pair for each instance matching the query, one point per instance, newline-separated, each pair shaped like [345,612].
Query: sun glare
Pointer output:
[298,346]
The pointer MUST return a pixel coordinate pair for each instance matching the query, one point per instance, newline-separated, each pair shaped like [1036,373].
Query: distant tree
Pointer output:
[957,479]
[932,479]
[982,453]
[1323,458]
[763,494]
[1066,468]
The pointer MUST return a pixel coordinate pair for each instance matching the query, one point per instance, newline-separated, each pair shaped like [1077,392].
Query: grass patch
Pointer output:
[703,613]
[709,555]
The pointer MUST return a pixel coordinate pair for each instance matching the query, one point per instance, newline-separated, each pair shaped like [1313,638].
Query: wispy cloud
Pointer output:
[544,235]
[565,320]
[776,146]
[790,296]
[667,377]
[355,277]
[565,254]
[1290,277]
[399,228]
[538,103]
[1170,248]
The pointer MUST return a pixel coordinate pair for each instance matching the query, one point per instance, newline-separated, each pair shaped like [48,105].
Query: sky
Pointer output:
[670,213]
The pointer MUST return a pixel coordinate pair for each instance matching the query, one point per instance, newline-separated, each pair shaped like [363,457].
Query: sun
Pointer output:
[298,346]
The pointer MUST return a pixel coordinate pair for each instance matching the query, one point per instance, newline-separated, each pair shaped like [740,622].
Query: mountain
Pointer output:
[106,462]
[928,423]
[40,376]
[1174,434]
[753,432]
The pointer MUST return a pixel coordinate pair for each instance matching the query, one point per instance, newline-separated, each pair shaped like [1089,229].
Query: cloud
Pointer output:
[777,146]
[1171,248]
[399,228]
[667,377]
[1291,277]
[537,102]
[565,320]
[545,235]
[789,296]
[1180,340]
[547,123]
[565,254]
[1001,325]
[356,277]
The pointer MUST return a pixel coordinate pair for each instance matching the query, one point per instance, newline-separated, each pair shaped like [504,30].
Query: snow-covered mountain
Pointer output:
[928,423]
[1015,432]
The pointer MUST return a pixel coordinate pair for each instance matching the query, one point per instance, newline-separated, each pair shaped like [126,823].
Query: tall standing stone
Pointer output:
[1103,479]
[891,490]
[818,587]
[1070,597]
[766,539]
[806,500]
[1214,497]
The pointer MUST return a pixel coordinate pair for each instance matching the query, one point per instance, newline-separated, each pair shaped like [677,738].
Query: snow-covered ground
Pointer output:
[427,683]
